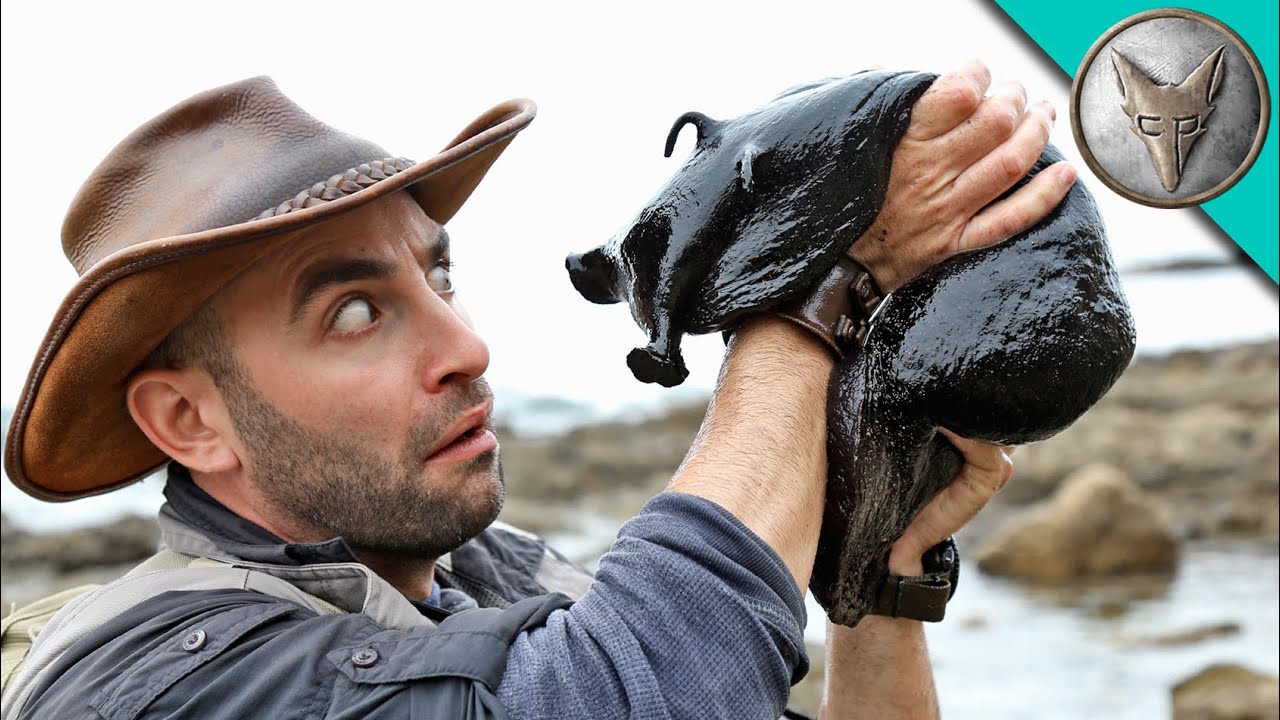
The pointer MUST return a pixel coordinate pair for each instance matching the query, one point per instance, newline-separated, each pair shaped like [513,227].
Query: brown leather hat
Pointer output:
[176,211]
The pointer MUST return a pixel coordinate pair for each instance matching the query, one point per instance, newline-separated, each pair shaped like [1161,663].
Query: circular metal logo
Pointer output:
[1170,108]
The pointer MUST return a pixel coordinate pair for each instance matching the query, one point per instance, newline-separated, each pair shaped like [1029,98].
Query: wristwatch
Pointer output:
[922,597]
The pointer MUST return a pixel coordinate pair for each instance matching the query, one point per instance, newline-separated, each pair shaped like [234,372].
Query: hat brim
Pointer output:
[71,434]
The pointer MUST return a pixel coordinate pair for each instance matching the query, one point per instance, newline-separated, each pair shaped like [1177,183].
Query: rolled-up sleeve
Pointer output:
[691,615]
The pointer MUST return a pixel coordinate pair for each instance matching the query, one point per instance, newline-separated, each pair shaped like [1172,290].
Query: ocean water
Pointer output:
[1005,651]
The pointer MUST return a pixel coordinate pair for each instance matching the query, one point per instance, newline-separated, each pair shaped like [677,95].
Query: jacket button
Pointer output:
[364,657]
[194,641]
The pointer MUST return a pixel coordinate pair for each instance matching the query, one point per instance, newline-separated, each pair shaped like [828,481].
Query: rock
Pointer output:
[601,459]
[1103,598]
[1107,609]
[9,532]
[129,539]
[1157,267]
[28,584]
[535,517]
[1098,524]
[1241,376]
[1227,692]
[1187,636]
[1199,427]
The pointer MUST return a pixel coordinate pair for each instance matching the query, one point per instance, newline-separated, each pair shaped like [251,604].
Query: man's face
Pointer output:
[355,388]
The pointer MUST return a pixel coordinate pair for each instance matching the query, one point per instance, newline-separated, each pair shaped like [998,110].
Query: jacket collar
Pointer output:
[498,567]
[239,538]
[193,522]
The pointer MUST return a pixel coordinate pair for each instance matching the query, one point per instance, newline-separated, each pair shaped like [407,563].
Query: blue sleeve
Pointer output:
[691,615]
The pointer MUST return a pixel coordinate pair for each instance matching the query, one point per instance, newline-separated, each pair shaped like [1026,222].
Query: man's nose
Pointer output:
[453,352]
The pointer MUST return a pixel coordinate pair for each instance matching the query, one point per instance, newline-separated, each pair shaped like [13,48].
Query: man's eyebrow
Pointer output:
[442,244]
[337,271]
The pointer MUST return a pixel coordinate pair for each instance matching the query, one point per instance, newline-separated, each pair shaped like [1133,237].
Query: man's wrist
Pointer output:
[901,686]
[765,333]
[920,589]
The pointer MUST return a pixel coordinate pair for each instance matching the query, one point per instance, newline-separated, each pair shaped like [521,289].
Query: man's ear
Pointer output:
[182,413]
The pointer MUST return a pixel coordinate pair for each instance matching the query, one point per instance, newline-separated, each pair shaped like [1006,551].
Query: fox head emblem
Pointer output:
[1169,118]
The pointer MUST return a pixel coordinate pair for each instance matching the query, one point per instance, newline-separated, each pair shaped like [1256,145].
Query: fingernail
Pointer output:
[1067,175]
[1053,112]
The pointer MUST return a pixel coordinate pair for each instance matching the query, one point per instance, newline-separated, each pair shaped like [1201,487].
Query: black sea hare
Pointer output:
[1009,344]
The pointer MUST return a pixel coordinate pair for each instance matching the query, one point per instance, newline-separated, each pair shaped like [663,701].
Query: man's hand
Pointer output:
[986,470]
[961,151]
[880,669]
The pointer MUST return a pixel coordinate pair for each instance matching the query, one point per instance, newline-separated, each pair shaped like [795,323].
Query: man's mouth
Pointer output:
[466,438]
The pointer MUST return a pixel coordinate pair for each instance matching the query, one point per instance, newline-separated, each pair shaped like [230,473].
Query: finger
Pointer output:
[987,469]
[1024,208]
[1000,117]
[982,456]
[949,101]
[994,173]
[960,501]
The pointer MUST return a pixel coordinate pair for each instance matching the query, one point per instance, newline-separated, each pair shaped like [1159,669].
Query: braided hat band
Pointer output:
[340,185]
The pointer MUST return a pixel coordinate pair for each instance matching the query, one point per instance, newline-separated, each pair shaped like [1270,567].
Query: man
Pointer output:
[304,362]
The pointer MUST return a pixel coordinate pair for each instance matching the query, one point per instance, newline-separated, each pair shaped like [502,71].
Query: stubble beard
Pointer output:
[333,486]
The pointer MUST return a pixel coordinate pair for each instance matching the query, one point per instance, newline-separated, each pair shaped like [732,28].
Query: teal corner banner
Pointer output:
[1249,211]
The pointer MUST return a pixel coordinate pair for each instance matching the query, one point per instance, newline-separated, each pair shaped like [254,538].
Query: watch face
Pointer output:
[949,555]
[943,558]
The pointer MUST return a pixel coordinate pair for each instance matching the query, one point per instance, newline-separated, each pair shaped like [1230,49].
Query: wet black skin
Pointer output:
[759,212]
[1009,344]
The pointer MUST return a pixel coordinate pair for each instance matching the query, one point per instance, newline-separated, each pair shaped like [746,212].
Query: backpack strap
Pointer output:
[19,630]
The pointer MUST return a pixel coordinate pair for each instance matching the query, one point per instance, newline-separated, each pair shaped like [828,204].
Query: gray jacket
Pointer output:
[231,641]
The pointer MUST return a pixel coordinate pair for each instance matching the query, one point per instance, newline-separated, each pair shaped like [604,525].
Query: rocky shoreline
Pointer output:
[1185,448]
[1196,429]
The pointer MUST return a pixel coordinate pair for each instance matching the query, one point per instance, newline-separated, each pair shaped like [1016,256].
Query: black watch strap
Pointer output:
[922,597]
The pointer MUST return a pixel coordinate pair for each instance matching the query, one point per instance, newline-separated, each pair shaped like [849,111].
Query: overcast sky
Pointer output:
[609,81]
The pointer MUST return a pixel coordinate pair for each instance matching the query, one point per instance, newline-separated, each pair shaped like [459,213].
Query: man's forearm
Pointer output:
[879,669]
[761,455]
[761,452]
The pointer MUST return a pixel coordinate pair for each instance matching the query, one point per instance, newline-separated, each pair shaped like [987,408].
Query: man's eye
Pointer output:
[438,278]
[354,315]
